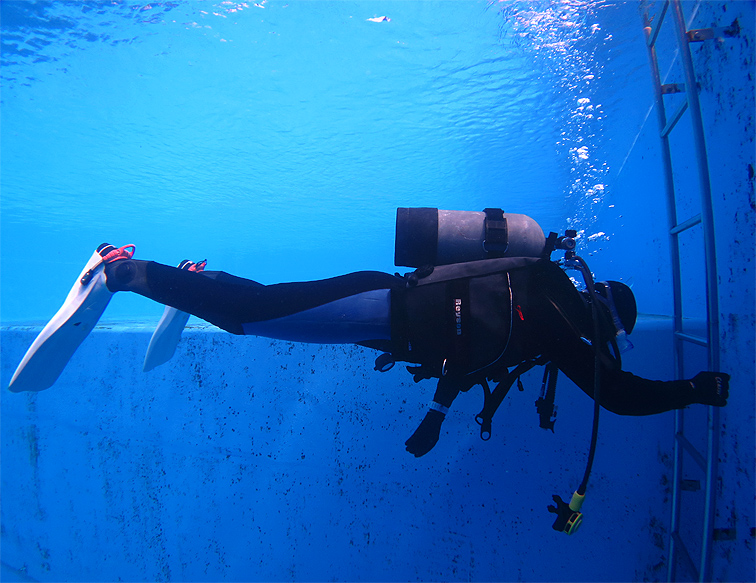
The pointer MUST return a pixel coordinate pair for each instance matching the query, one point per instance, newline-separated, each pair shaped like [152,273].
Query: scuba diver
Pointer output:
[485,303]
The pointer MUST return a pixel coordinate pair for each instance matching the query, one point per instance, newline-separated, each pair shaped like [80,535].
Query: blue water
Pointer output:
[276,140]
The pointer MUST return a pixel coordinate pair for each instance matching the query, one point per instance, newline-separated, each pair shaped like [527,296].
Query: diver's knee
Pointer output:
[120,275]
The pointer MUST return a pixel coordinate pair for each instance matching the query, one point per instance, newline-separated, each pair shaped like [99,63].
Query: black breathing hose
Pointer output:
[588,278]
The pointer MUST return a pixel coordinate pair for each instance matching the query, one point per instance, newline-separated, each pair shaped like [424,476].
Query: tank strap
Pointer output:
[497,233]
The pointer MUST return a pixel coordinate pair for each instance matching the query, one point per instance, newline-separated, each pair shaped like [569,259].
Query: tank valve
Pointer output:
[567,242]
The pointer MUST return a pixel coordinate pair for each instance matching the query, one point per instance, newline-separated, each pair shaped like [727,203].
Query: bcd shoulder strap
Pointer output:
[441,273]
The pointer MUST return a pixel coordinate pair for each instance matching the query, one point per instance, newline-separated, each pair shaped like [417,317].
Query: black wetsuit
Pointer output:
[456,322]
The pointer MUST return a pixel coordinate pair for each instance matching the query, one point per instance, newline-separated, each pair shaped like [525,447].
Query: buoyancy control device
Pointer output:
[454,246]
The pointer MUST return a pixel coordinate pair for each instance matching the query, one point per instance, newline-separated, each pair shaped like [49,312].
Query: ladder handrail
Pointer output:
[711,341]
[712,292]
[707,206]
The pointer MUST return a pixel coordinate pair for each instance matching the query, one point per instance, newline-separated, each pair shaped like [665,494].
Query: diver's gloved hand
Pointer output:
[711,388]
[426,435]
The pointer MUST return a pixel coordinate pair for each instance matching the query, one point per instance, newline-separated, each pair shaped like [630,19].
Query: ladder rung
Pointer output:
[686,555]
[690,485]
[685,225]
[657,25]
[700,340]
[674,119]
[703,34]
[670,88]
[691,449]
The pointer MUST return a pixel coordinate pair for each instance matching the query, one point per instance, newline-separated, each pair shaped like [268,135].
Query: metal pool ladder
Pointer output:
[700,566]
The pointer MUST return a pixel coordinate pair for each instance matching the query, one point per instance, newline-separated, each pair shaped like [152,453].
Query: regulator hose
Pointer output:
[569,518]
[589,284]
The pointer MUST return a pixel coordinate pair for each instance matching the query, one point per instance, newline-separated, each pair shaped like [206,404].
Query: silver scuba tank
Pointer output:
[429,236]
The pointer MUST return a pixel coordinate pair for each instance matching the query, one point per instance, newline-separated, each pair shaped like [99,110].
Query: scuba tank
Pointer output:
[429,236]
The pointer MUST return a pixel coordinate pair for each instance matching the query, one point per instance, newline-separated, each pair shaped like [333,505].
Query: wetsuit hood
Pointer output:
[621,301]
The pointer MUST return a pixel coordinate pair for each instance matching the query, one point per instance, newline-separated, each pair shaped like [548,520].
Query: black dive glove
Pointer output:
[426,435]
[711,388]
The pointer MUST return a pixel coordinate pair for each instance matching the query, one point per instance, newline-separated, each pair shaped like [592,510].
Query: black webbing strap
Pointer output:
[545,403]
[492,399]
[497,237]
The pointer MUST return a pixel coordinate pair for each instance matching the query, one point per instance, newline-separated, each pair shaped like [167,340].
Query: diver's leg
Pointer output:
[167,334]
[348,308]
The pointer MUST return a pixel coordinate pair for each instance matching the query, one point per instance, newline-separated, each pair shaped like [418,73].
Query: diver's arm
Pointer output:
[559,323]
[627,394]
[426,435]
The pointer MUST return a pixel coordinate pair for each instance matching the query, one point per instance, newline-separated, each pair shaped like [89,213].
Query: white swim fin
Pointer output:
[166,337]
[59,339]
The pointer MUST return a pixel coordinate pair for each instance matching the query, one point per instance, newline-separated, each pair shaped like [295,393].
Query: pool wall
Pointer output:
[252,459]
